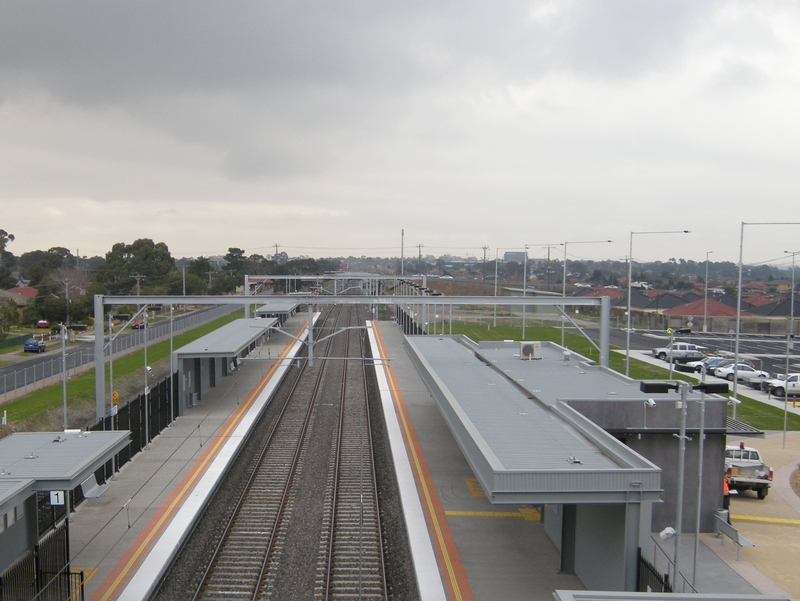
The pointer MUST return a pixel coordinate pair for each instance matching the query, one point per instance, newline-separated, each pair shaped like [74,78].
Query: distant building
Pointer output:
[517,257]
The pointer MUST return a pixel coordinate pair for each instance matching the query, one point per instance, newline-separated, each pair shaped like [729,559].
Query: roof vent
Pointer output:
[574,459]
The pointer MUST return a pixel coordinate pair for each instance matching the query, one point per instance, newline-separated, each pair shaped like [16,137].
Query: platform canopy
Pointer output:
[521,449]
[44,461]
[228,341]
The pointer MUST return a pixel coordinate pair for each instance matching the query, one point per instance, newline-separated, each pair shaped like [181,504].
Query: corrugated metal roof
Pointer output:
[521,449]
[278,306]
[57,460]
[228,340]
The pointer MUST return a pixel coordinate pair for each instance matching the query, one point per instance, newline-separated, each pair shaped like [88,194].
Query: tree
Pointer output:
[141,258]
[200,267]
[6,279]
[9,315]
[235,258]
[38,264]
[222,283]
[5,238]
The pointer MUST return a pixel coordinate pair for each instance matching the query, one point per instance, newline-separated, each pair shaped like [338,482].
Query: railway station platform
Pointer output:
[119,538]
[464,547]
[501,552]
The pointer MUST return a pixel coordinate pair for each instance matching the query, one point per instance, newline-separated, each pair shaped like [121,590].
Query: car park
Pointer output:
[744,372]
[34,345]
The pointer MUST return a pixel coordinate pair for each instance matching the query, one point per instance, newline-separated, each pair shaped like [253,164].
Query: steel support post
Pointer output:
[99,360]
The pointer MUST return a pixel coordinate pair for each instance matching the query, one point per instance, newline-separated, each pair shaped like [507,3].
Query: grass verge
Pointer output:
[81,388]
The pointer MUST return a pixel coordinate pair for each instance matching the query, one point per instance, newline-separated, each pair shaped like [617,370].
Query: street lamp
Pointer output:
[564,283]
[630,273]
[739,306]
[705,303]
[789,345]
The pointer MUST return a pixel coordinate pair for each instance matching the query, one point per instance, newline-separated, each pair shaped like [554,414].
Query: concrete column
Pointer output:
[632,515]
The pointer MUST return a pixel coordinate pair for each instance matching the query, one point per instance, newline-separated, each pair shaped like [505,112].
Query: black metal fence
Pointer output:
[43,574]
[648,578]
[131,416]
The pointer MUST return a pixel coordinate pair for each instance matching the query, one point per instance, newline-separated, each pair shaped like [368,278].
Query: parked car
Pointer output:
[42,323]
[744,372]
[706,364]
[780,384]
[33,345]
[138,324]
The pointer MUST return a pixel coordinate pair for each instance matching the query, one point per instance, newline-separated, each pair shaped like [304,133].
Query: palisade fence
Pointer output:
[23,381]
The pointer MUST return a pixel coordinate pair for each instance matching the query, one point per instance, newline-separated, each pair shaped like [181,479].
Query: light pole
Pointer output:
[630,273]
[705,303]
[789,346]
[564,283]
[734,394]
[524,287]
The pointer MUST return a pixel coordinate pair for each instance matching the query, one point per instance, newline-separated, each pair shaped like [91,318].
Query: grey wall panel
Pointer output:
[599,546]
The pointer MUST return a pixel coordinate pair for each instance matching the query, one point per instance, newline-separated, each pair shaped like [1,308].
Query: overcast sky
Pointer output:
[327,127]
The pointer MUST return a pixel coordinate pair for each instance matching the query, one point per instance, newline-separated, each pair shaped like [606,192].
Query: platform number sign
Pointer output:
[56,497]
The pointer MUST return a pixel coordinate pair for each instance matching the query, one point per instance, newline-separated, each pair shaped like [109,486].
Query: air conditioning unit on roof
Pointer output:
[530,350]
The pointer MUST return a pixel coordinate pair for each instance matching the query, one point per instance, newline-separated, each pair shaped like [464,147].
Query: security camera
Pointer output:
[148,368]
[667,532]
[650,403]
[732,401]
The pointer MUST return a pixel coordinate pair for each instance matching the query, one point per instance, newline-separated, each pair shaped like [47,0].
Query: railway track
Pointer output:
[307,524]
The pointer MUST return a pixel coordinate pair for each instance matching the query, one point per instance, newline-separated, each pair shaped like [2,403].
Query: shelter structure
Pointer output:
[559,431]
[278,308]
[38,462]
[200,364]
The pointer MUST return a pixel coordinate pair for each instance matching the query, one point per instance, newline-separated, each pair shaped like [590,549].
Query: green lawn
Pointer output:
[81,388]
[750,411]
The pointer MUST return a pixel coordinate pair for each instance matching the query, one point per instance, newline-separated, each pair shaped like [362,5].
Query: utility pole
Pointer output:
[419,263]
[183,269]
[276,253]
[138,278]
[402,241]
[485,248]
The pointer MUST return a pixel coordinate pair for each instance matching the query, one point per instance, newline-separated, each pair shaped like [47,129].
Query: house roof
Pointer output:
[779,307]
[18,299]
[26,291]
[698,308]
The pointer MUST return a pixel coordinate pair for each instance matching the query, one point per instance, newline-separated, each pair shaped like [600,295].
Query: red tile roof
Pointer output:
[29,292]
[697,308]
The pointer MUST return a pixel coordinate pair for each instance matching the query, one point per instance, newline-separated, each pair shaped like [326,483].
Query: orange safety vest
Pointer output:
[725,489]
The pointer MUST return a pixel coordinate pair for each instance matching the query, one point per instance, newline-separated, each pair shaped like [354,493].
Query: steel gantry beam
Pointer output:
[312,300]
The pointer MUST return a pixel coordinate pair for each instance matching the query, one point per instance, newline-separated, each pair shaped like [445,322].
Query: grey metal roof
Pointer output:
[227,341]
[552,379]
[57,460]
[14,491]
[278,306]
[523,450]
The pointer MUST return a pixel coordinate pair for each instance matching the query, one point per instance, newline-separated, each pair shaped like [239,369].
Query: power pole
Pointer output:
[419,260]
[138,278]
[276,253]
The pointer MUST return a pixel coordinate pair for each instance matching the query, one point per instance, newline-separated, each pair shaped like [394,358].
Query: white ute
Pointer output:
[745,470]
